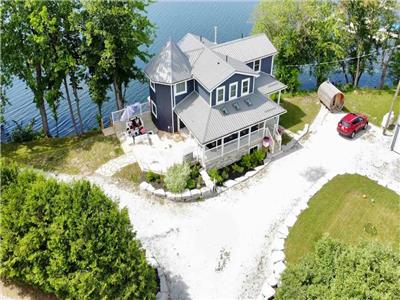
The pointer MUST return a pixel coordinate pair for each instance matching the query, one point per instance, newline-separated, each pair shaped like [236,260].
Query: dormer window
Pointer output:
[257,65]
[245,86]
[180,88]
[233,90]
[220,95]
[153,86]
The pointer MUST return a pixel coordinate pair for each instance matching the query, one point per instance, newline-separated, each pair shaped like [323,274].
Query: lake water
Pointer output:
[173,20]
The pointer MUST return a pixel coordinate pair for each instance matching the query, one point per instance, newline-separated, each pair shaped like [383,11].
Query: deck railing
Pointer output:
[226,148]
[137,108]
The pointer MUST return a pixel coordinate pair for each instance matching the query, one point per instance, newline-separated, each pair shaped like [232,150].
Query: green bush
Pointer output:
[257,158]
[177,177]
[215,176]
[338,271]
[152,177]
[23,133]
[69,239]
[191,184]
[246,161]
[237,168]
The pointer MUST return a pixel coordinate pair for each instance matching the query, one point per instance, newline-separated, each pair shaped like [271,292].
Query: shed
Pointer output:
[331,96]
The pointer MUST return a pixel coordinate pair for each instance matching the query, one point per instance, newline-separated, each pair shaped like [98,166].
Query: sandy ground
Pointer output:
[216,249]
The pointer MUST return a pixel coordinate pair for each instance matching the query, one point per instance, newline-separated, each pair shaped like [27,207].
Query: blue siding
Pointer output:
[162,98]
[234,78]
[266,64]
[189,89]
[202,91]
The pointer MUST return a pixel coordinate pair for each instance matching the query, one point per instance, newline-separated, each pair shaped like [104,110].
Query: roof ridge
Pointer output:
[238,40]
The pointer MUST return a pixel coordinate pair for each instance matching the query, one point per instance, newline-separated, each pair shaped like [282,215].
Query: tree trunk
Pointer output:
[40,101]
[118,93]
[71,111]
[357,75]
[384,64]
[78,109]
[100,117]
[345,73]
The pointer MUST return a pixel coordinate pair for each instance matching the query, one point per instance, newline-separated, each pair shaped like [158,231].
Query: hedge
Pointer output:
[69,239]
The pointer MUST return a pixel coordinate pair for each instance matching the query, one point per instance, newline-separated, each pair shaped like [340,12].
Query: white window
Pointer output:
[245,86]
[153,108]
[180,88]
[220,95]
[233,90]
[153,85]
[257,65]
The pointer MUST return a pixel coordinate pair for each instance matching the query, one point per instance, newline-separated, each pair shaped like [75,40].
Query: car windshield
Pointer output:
[345,124]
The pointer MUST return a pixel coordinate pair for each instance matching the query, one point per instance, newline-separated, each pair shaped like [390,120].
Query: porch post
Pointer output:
[248,142]
[279,101]
[238,140]
[222,146]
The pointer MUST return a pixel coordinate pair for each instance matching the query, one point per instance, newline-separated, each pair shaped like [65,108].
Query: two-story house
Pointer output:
[219,93]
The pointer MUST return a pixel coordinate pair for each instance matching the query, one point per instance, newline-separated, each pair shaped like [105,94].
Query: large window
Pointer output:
[220,95]
[245,86]
[153,108]
[180,88]
[244,132]
[257,65]
[233,90]
[230,138]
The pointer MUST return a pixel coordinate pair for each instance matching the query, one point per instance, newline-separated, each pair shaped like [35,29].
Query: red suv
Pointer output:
[351,123]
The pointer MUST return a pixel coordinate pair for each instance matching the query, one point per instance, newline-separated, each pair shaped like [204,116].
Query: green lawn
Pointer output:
[301,110]
[70,155]
[130,174]
[350,208]
[374,103]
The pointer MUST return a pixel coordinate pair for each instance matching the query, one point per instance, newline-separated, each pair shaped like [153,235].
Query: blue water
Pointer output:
[173,20]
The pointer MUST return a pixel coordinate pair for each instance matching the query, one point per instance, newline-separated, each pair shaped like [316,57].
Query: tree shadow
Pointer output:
[177,287]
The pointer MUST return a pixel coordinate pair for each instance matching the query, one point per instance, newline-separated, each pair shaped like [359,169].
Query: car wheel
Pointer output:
[366,126]
[353,134]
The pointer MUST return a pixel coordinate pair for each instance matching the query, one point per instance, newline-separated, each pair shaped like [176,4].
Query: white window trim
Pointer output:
[259,65]
[248,86]
[230,87]
[183,92]
[153,86]
[153,105]
[223,95]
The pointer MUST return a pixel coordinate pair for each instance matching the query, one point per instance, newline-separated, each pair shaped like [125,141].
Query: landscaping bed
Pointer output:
[350,208]
[247,163]
[71,155]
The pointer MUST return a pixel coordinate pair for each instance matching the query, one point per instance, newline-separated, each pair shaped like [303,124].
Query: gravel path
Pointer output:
[217,249]
[116,164]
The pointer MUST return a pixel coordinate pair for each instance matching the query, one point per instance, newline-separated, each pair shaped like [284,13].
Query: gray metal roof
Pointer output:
[212,68]
[191,42]
[248,48]
[267,84]
[210,123]
[169,66]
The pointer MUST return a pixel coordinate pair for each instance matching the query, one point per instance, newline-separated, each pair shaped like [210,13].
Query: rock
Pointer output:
[290,220]
[277,256]
[272,281]
[205,192]
[250,174]
[143,185]
[162,296]
[267,291]
[195,194]
[240,179]
[278,244]
[279,267]
[150,188]
[169,195]
[229,183]
[283,229]
[186,195]
[159,193]
[259,168]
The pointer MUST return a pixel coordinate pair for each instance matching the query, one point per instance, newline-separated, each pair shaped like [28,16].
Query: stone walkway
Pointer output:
[116,164]
[220,248]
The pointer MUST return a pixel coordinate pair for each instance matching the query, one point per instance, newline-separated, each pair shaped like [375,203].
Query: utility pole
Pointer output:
[391,108]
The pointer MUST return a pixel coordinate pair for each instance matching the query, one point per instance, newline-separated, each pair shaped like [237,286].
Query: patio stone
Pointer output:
[279,268]
[277,256]
[143,185]
[159,193]
[290,220]
[267,291]
[195,193]
[229,183]
[278,244]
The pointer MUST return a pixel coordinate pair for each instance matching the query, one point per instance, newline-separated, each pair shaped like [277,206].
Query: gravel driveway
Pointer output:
[216,249]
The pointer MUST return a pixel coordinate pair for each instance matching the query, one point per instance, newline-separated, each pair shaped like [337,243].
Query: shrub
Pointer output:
[177,177]
[338,271]
[191,184]
[257,157]
[152,177]
[23,133]
[237,168]
[225,173]
[246,161]
[69,239]
[215,176]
